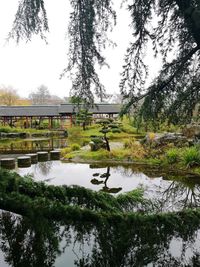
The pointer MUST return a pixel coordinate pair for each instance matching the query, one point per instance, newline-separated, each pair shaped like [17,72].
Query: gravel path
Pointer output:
[113,145]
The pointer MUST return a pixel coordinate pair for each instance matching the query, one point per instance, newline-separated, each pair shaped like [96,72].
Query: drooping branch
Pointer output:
[30,19]
[178,26]
[89,22]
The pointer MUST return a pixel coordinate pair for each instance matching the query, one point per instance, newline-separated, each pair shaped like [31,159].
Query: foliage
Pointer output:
[71,148]
[8,96]
[172,155]
[75,147]
[108,125]
[89,22]
[191,156]
[170,26]
[84,118]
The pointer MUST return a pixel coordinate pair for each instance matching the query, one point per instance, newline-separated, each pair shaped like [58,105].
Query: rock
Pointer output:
[192,131]
[167,138]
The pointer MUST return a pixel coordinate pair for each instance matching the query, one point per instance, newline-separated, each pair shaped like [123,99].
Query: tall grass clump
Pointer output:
[191,156]
[172,155]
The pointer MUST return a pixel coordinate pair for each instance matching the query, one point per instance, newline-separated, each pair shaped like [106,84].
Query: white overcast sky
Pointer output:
[28,65]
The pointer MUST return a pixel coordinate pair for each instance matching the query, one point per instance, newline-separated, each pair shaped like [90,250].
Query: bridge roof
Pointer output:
[54,110]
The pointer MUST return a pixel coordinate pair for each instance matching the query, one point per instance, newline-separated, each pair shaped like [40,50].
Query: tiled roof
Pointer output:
[22,111]
[56,110]
[97,109]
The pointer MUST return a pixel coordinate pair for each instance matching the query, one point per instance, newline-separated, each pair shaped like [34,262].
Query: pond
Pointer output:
[12,146]
[29,242]
[147,241]
[171,195]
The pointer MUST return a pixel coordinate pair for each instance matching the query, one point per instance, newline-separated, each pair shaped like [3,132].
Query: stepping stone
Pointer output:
[24,162]
[55,155]
[34,157]
[43,156]
[8,163]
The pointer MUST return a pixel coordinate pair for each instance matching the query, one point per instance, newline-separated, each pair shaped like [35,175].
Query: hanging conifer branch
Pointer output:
[30,19]
[178,26]
[89,22]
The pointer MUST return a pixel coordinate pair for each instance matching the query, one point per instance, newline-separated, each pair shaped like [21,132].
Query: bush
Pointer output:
[172,155]
[191,156]
[128,129]
[116,130]
[74,147]
[129,143]
[8,129]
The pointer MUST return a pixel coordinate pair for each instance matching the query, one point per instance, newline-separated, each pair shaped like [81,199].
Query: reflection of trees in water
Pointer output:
[103,179]
[173,195]
[37,242]
[44,167]
[181,195]
[28,242]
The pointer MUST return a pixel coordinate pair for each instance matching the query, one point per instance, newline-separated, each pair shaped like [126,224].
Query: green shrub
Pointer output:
[191,156]
[7,129]
[172,155]
[116,130]
[75,147]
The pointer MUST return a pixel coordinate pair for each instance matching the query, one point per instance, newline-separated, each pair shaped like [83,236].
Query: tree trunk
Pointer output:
[107,143]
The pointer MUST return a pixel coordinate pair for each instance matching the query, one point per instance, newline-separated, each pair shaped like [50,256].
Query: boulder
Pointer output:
[192,131]
[177,139]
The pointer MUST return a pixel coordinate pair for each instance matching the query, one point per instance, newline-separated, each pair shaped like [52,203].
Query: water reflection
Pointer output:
[105,187]
[36,242]
[43,167]
[31,145]
[180,195]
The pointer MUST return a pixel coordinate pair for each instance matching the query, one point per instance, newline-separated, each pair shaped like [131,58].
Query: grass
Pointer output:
[8,129]
[173,155]
[191,156]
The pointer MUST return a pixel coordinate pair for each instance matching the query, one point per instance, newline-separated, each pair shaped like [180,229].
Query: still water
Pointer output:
[172,195]
[35,242]
[27,242]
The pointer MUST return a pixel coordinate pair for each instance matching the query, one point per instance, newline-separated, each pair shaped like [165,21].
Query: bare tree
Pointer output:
[8,96]
[41,96]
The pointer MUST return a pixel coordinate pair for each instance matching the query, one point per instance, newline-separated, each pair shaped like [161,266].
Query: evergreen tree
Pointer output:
[164,23]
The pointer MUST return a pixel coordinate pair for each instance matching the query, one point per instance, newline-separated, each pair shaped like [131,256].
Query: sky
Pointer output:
[25,66]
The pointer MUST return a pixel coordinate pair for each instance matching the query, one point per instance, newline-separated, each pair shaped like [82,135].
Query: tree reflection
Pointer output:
[105,187]
[180,195]
[44,167]
[27,242]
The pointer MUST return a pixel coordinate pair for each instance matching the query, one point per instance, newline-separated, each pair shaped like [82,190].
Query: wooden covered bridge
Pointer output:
[62,115]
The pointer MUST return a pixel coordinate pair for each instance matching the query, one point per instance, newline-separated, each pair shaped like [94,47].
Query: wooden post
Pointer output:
[49,123]
[71,121]
[31,122]
[26,122]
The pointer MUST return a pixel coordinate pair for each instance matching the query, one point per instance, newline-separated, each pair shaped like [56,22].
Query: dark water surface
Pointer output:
[38,242]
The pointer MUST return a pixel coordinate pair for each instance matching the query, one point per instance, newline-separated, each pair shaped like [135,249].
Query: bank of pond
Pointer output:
[70,214]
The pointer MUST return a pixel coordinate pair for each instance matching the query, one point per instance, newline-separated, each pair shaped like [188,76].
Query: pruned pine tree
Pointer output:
[169,25]
[84,118]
